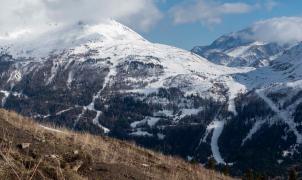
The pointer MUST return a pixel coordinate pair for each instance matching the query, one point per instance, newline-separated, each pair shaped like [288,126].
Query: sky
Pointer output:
[180,23]
[200,32]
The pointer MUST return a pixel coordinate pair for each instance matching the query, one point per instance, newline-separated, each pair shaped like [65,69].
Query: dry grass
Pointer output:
[127,158]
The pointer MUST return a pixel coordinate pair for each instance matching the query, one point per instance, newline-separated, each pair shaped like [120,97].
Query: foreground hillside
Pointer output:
[31,151]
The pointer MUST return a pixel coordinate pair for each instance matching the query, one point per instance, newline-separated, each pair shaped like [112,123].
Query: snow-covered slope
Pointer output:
[239,50]
[121,46]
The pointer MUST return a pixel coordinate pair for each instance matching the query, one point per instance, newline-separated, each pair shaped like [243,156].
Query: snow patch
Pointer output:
[139,132]
[151,121]
[70,78]
[15,76]
[234,88]
[63,111]
[252,131]
[6,94]
[189,158]
[96,122]
[283,115]
[51,129]
[161,136]
[280,161]
[164,113]
[217,128]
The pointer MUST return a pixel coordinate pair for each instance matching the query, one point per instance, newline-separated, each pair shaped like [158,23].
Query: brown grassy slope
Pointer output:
[70,155]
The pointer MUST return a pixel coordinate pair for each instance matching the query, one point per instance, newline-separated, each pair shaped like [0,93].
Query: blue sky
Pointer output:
[190,34]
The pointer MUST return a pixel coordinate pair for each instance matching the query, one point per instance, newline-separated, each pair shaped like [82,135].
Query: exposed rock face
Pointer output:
[108,79]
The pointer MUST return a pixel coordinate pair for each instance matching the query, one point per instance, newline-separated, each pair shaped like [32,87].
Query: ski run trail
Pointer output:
[282,114]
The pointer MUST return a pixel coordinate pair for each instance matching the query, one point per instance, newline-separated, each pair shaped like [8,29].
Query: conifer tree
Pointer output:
[211,164]
[226,170]
[292,175]
[248,175]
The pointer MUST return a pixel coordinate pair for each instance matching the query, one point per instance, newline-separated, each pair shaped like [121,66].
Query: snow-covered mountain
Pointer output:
[240,50]
[108,79]
[131,61]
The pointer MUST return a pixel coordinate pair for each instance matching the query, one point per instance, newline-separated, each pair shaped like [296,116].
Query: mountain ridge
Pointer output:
[241,49]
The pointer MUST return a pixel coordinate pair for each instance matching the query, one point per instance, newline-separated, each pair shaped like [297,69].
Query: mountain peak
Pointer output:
[40,43]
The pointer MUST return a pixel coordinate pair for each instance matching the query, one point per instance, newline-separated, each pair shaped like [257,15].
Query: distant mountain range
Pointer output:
[240,50]
[237,100]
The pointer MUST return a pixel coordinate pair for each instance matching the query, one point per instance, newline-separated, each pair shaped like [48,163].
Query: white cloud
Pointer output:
[16,15]
[280,30]
[208,12]
[270,4]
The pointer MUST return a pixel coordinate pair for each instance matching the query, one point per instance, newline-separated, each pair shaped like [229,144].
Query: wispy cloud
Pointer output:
[208,12]
[280,30]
